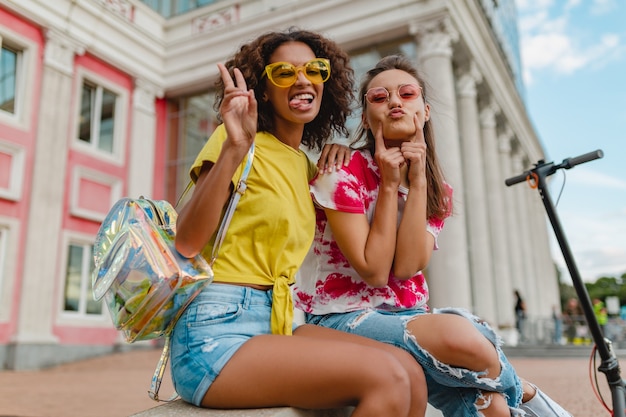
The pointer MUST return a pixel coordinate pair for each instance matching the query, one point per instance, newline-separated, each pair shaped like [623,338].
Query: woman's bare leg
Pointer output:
[313,372]
[419,392]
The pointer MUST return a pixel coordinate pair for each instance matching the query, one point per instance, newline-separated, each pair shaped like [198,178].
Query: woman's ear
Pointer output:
[265,97]
[426,112]
[364,122]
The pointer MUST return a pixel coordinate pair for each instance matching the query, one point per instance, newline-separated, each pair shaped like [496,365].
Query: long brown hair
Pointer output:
[337,98]
[439,203]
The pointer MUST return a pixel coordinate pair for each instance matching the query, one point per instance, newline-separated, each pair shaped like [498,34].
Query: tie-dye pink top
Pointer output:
[326,282]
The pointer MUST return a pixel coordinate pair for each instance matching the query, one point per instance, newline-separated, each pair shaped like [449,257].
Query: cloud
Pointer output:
[586,176]
[600,7]
[551,42]
[597,240]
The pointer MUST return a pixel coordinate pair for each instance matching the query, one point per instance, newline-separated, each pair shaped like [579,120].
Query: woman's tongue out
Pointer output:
[301,102]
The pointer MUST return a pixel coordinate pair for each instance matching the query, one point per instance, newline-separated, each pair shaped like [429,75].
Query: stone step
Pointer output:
[180,408]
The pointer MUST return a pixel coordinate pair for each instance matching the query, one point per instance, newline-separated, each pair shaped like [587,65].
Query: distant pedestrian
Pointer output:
[599,309]
[558,325]
[573,318]
[520,314]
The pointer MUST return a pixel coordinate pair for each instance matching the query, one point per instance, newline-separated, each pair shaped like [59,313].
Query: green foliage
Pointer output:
[603,287]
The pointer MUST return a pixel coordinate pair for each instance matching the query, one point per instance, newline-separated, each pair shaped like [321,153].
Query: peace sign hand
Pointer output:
[389,161]
[238,109]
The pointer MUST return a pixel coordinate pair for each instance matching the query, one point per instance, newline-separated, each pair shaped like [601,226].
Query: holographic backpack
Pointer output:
[144,281]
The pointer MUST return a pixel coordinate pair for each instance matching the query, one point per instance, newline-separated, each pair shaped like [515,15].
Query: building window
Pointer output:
[97,117]
[169,8]
[4,237]
[78,295]
[192,120]
[9,64]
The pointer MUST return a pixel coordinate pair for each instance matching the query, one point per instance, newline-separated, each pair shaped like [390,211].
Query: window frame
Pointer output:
[9,228]
[25,70]
[81,316]
[4,238]
[116,156]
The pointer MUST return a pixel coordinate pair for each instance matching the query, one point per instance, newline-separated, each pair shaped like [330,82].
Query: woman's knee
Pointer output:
[461,344]
[491,404]
[393,389]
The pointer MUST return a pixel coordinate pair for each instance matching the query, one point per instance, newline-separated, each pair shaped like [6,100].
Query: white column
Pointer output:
[483,292]
[510,214]
[549,295]
[143,137]
[37,306]
[494,181]
[528,285]
[448,272]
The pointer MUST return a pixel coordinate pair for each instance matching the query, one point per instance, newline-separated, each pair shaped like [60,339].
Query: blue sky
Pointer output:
[574,63]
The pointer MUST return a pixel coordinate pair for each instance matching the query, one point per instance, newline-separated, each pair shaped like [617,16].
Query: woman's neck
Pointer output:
[289,133]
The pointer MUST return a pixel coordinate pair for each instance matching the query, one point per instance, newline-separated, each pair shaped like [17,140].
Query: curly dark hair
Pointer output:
[439,202]
[338,95]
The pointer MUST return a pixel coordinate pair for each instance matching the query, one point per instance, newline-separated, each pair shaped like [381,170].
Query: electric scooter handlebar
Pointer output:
[581,159]
[567,164]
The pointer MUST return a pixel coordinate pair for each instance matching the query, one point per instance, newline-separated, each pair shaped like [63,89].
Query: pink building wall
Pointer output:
[91,195]
[24,137]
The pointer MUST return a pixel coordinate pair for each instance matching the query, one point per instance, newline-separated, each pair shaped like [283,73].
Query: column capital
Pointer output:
[434,37]
[60,50]
[467,80]
[516,162]
[488,114]
[144,94]
[504,140]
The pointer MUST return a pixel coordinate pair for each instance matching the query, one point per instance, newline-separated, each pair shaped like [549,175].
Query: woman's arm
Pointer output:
[370,247]
[200,217]
[414,244]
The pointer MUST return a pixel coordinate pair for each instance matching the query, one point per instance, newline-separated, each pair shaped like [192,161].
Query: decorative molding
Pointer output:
[82,175]
[60,50]
[122,8]
[215,21]
[17,156]
[145,94]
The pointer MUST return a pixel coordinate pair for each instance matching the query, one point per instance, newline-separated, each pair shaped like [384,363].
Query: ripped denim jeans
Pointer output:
[454,391]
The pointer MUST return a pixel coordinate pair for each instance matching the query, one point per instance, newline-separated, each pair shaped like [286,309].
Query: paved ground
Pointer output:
[116,385]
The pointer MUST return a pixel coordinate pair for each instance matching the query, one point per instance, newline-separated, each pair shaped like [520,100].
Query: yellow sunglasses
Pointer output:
[284,74]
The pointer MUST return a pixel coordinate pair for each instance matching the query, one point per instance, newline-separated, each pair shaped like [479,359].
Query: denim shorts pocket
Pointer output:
[209,313]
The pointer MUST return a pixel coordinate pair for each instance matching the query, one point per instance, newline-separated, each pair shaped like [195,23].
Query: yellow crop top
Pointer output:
[273,225]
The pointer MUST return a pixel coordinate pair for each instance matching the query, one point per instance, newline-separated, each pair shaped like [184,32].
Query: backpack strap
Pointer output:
[157,377]
[234,199]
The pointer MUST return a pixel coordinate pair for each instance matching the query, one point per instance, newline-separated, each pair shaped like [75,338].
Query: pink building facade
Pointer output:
[101,99]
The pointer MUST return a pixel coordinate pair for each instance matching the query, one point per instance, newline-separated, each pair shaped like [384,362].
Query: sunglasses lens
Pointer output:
[282,74]
[377,95]
[317,71]
[409,92]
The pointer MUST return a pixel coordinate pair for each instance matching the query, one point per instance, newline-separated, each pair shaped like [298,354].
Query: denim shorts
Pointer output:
[217,323]
[452,390]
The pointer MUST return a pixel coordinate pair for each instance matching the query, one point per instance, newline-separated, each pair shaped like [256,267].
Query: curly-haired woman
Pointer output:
[235,346]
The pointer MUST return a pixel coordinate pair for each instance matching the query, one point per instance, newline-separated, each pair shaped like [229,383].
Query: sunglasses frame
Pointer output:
[419,88]
[268,70]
